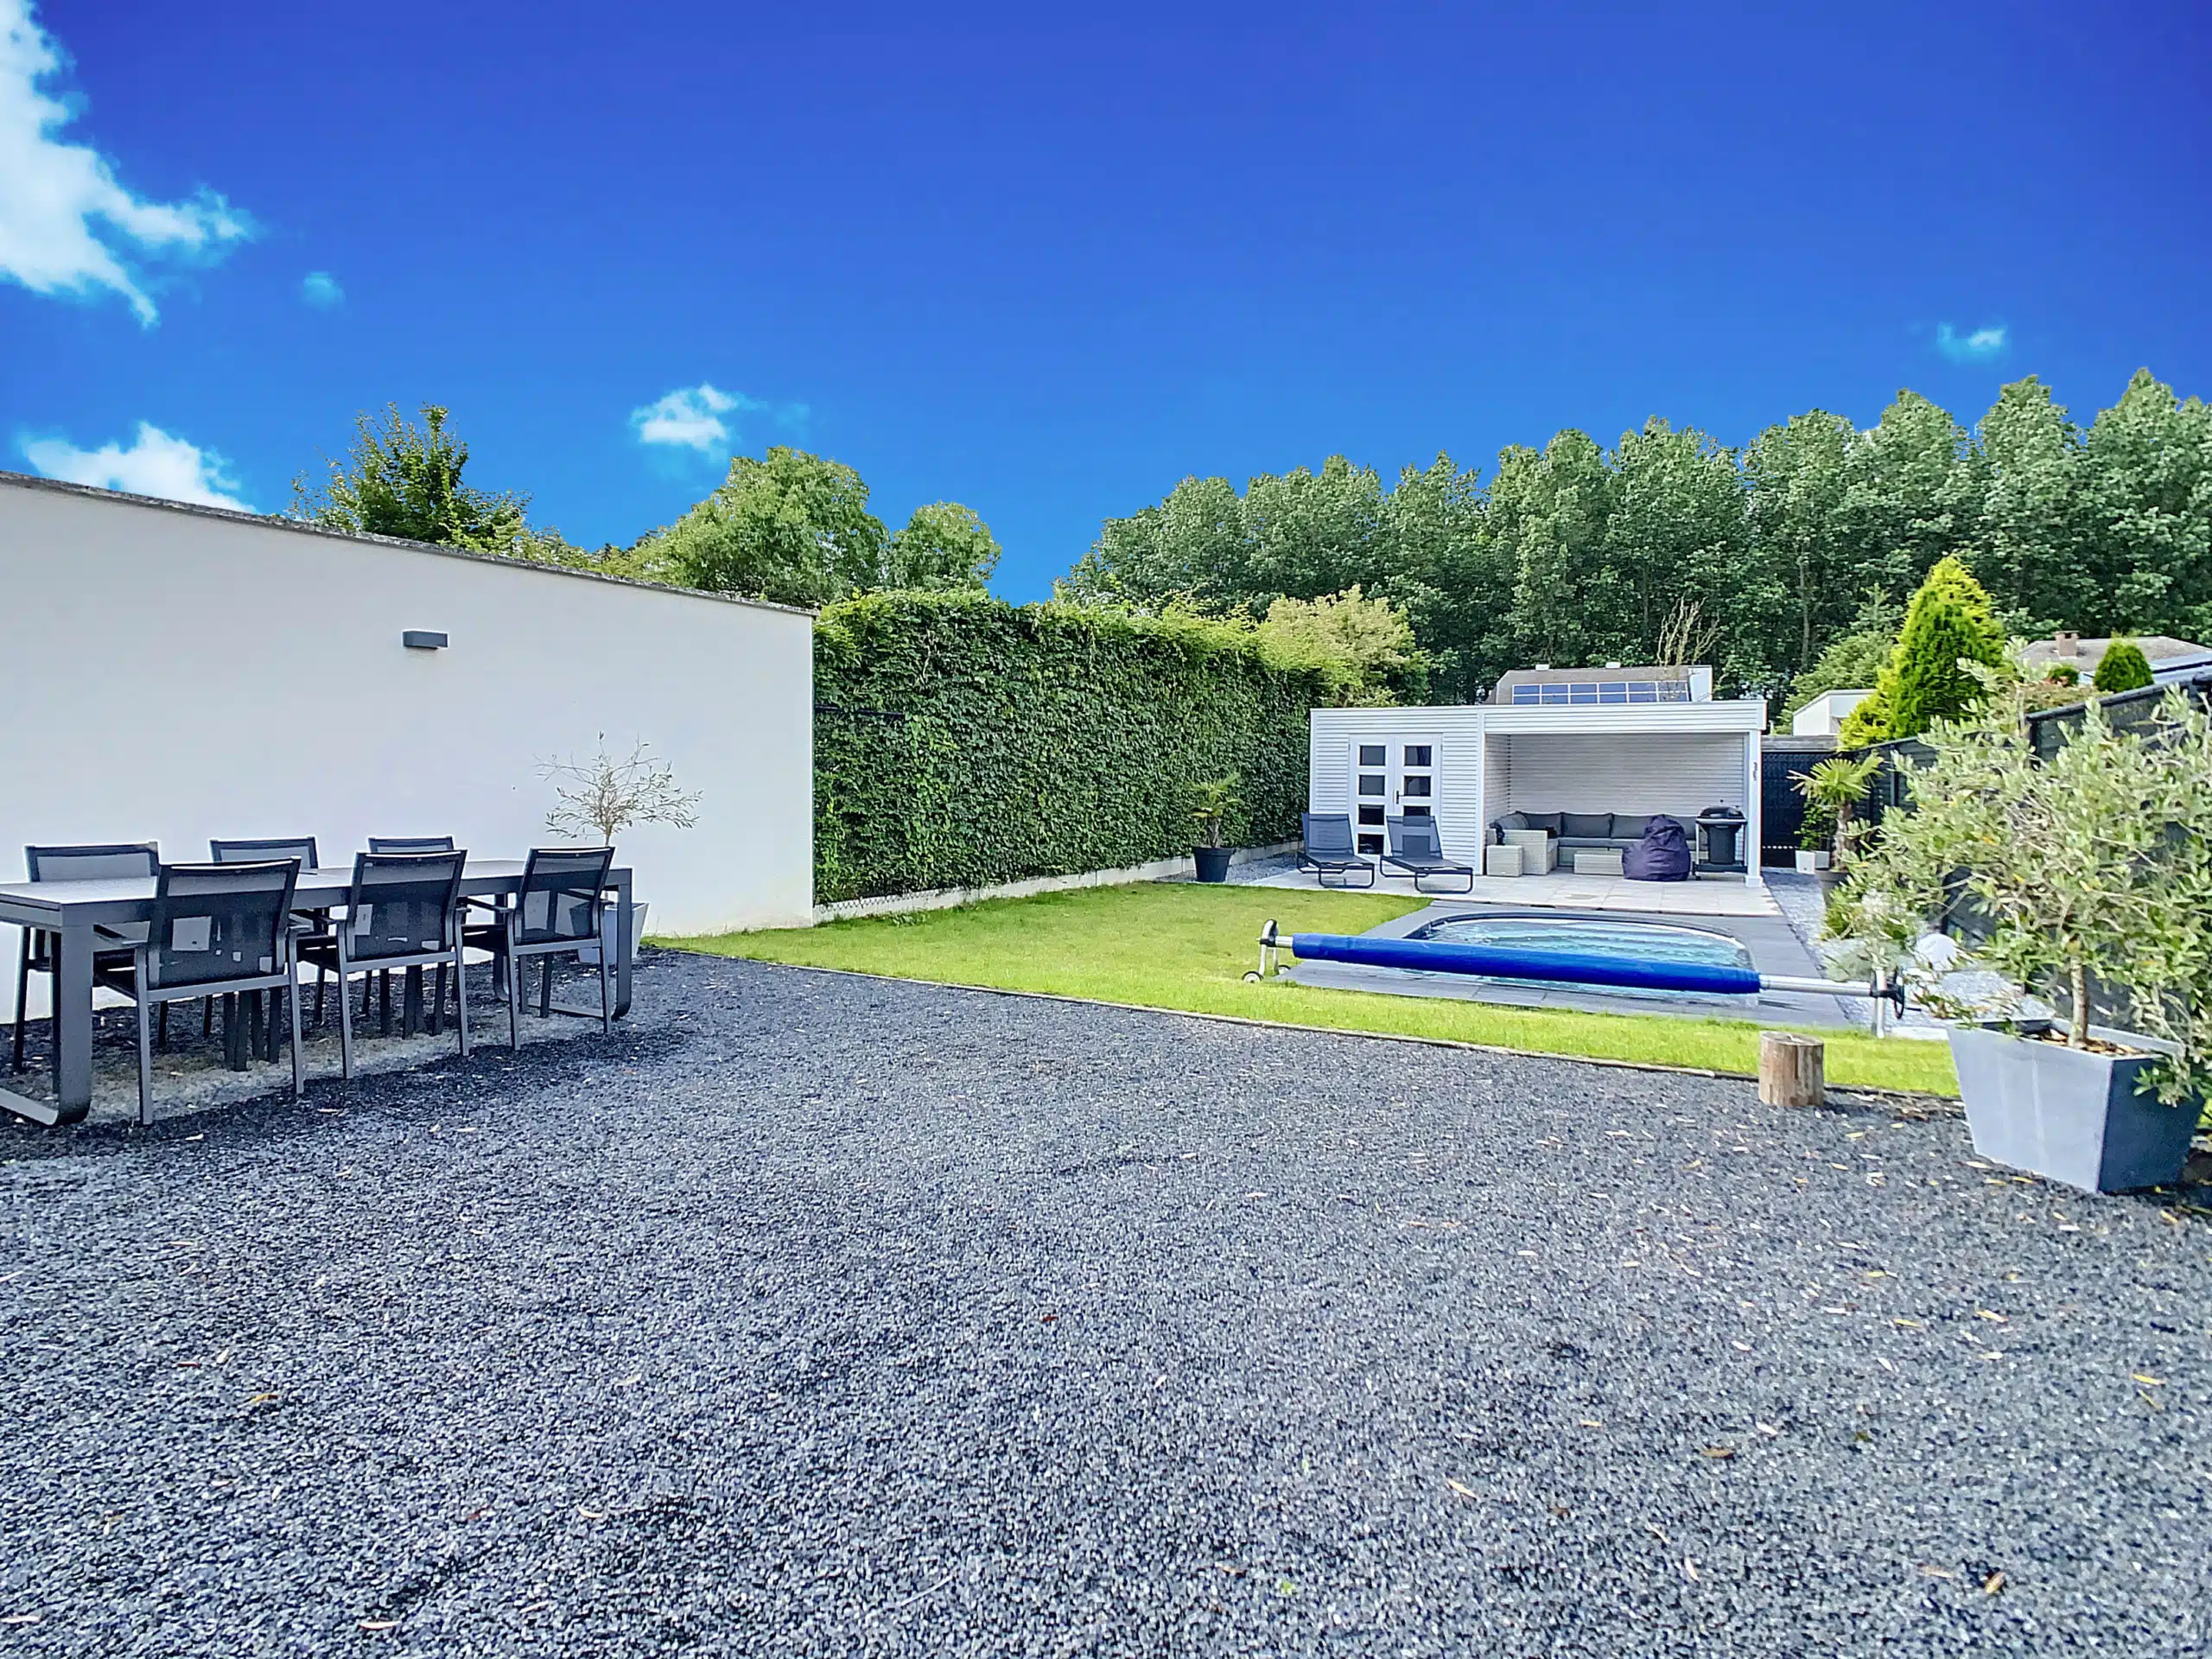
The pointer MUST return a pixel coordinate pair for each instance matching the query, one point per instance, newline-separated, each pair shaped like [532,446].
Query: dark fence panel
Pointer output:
[2124,711]
[1781,809]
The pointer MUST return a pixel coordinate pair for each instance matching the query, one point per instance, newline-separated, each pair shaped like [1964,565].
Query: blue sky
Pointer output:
[1049,268]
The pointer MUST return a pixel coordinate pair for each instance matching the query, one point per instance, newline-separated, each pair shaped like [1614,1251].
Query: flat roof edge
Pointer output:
[277,521]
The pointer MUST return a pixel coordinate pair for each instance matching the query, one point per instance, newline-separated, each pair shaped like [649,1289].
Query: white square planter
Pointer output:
[589,954]
[1812,863]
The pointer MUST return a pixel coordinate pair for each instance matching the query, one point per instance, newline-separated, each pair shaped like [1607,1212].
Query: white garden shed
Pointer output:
[177,673]
[1607,740]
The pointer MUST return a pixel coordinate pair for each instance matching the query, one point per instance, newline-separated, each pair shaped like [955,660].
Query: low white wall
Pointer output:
[175,674]
[1159,869]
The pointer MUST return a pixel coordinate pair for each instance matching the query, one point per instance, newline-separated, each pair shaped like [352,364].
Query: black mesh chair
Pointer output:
[402,911]
[104,862]
[407,844]
[1327,849]
[557,911]
[218,929]
[1417,849]
[315,921]
[410,843]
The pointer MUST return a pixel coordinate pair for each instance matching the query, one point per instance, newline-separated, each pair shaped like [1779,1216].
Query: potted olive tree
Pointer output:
[598,797]
[2082,878]
[1212,803]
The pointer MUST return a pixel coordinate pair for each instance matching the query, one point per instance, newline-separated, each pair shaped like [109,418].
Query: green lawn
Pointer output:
[1184,946]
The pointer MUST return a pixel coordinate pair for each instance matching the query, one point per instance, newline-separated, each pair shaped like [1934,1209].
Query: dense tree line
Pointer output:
[1808,538]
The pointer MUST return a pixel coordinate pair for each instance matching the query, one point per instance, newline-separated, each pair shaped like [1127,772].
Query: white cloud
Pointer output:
[157,464]
[1980,347]
[691,418]
[688,417]
[319,289]
[53,194]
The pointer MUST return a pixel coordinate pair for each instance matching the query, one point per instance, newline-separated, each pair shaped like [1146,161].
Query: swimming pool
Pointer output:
[1595,936]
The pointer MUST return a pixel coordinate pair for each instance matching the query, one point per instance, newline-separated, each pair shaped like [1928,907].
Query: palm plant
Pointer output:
[1212,803]
[1837,786]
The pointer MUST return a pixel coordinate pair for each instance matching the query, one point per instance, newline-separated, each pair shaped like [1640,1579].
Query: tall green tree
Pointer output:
[1573,554]
[1948,624]
[1546,522]
[1192,545]
[792,527]
[2150,483]
[1854,659]
[1795,474]
[1312,533]
[1910,497]
[398,479]
[1675,533]
[1439,564]
[943,546]
[2034,549]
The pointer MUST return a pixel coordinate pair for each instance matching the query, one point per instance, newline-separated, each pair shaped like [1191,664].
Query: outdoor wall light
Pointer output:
[422,639]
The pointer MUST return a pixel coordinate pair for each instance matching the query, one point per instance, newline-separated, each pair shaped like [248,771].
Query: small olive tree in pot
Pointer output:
[2085,875]
[1212,802]
[597,798]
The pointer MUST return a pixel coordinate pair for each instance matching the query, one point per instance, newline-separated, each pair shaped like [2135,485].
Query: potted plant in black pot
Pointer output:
[2081,880]
[1212,802]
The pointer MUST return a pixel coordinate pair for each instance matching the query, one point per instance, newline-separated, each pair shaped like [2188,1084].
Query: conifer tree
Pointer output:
[2123,668]
[1949,621]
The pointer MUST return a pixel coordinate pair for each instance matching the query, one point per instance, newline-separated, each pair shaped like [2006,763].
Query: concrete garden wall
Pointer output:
[177,673]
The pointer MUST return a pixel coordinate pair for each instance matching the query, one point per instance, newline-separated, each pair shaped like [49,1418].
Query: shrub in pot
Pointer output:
[1815,837]
[1212,802]
[2090,871]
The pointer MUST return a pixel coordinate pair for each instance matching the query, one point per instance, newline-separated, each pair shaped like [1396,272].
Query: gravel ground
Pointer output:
[814,1315]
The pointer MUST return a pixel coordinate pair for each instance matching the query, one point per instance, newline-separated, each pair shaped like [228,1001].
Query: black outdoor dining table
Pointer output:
[71,910]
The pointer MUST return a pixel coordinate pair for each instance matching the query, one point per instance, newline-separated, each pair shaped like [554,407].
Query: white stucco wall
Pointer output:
[1823,716]
[175,675]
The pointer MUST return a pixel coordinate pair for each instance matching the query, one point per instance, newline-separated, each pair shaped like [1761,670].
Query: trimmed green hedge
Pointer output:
[961,742]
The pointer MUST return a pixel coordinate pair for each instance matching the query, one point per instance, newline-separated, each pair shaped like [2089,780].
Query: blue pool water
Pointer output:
[1593,936]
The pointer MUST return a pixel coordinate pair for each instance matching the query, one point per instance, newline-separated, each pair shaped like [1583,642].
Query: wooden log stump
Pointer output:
[1793,1069]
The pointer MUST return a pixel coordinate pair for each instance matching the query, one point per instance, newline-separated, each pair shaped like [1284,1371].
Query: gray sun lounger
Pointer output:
[1417,849]
[1329,850]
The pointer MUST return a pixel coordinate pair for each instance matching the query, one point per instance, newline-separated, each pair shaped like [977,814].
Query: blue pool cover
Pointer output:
[1499,962]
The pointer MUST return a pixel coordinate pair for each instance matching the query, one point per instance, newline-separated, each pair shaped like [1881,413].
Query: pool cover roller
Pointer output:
[1561,967]
[1501,962]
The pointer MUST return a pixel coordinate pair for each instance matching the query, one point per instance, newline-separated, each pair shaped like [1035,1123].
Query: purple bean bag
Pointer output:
[1663,855]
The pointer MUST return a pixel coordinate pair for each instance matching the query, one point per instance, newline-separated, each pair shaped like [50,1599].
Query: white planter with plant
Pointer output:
[1832,790]
[596,799]
[2091,871]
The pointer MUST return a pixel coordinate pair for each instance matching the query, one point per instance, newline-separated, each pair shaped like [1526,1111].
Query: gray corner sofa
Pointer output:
[1584,831]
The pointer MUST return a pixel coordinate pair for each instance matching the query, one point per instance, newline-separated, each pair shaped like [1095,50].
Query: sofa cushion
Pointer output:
[1586,826]
[1546,821]
[1512,821]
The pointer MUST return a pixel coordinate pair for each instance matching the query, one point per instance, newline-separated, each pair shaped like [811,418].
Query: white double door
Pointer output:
[1391,778]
